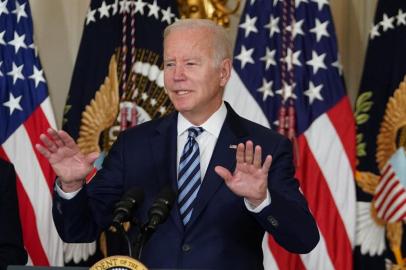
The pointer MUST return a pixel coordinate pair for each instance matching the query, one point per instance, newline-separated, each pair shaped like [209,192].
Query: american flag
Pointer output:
[287,76]
[25,112]
[390,194]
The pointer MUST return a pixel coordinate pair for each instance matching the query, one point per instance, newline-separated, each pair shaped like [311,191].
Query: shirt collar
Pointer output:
[212,125]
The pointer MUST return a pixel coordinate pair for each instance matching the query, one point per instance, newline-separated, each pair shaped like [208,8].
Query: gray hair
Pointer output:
[221,44]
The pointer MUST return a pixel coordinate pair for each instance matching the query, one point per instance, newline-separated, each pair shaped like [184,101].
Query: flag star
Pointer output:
[337,64]
[320,29]
[321,3]
[153,102]
[144,96]
[266,89]
[104,10]
[3,7]
[20,11]
[139,7]
[37,76]
[387,22]
[273,26]
[18,42]
[297,2]
[245,56]
[400,18]
[287,92]
[125,6]
[249,25]
[114,8]
[90,16]
[297,28]
[292,58]
[13,103]
[167,15]
[374,31]
[162,109]
[153,10]
[317,62]
[252,2]
[1,63]
[16,72]
[275,2]
[2,42]
[313,92]
[269,58]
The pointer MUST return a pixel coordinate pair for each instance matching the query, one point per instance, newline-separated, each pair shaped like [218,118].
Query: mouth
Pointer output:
[181,92]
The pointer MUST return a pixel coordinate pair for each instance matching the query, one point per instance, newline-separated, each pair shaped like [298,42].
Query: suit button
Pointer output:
[186,248]
[273,221]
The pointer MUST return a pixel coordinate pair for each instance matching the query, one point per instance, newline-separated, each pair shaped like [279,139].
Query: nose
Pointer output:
[179,73]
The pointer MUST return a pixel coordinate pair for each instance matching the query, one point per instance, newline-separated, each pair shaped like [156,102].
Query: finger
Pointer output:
[67,140]
[91,158]
[48,143]
[267,163]
[249,152]
[223,173]
[240,153]
[43,151]
[55,137]
[257,157]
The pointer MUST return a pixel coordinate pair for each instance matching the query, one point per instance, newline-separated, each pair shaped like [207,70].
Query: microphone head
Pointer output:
[123,208]
[133,194]
[162,205]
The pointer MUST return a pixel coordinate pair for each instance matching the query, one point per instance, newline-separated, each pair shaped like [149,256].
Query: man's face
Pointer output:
[193,81]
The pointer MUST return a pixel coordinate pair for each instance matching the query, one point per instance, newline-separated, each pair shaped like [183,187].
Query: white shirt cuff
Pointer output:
[259,208]
[63,194]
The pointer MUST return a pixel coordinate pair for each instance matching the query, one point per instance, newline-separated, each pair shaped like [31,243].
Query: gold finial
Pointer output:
[215,10]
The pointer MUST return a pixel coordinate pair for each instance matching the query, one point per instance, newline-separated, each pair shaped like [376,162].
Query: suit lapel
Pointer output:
[231,133]
[164,148]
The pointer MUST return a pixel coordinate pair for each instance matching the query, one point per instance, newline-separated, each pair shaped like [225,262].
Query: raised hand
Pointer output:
[65,158]
[250,178]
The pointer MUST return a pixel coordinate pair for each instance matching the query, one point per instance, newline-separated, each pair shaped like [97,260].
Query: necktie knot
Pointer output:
[194,132]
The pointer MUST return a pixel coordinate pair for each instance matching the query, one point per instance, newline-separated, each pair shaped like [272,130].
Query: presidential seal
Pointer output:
[118,263]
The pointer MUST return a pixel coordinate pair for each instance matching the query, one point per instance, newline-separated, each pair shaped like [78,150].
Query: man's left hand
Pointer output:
[250,178]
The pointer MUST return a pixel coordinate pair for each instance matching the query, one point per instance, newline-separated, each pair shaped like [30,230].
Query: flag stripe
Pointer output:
[36,124]
[36,187]
[316,190]
[340,182]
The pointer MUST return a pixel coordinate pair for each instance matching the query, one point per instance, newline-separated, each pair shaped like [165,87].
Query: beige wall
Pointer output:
[58,26]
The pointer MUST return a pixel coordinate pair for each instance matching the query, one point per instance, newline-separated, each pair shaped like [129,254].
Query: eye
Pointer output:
[169,64]
[191,63]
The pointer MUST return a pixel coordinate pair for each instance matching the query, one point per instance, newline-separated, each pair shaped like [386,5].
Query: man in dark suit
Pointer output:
[11,241]
[235,179]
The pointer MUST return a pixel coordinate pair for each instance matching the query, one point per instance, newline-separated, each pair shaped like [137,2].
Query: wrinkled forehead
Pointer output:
[191,40]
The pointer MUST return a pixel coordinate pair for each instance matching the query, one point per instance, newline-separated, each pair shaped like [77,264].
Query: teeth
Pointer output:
[183,92]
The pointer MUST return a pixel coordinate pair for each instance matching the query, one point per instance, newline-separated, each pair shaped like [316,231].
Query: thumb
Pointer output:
[223,173]
[90,158]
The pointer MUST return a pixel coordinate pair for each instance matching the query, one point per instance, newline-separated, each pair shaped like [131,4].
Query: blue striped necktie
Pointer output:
[189,174]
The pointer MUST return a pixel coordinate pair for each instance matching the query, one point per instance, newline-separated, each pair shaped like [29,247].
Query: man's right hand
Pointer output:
[66,159]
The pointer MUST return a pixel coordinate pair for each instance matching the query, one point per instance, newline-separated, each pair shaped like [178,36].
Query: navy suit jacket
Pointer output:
[222,233]
[11,240]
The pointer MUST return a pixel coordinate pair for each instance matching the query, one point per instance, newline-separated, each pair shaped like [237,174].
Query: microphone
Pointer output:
[160,209]
[123,208]
[157,214]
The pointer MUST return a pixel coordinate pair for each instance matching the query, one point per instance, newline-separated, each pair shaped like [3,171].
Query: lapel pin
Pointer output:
[232,146]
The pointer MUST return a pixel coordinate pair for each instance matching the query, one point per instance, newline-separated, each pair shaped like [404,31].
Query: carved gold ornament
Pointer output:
[215,10]
[101,113]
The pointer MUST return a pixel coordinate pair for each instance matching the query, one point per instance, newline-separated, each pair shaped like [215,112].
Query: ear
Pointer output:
[225,71]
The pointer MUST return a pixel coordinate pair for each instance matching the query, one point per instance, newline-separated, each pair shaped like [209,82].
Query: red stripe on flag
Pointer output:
[322,205]
[36,124]
[343,120]
[385,195]
[381,190]
[31,239]
[284,259]
[390,213]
